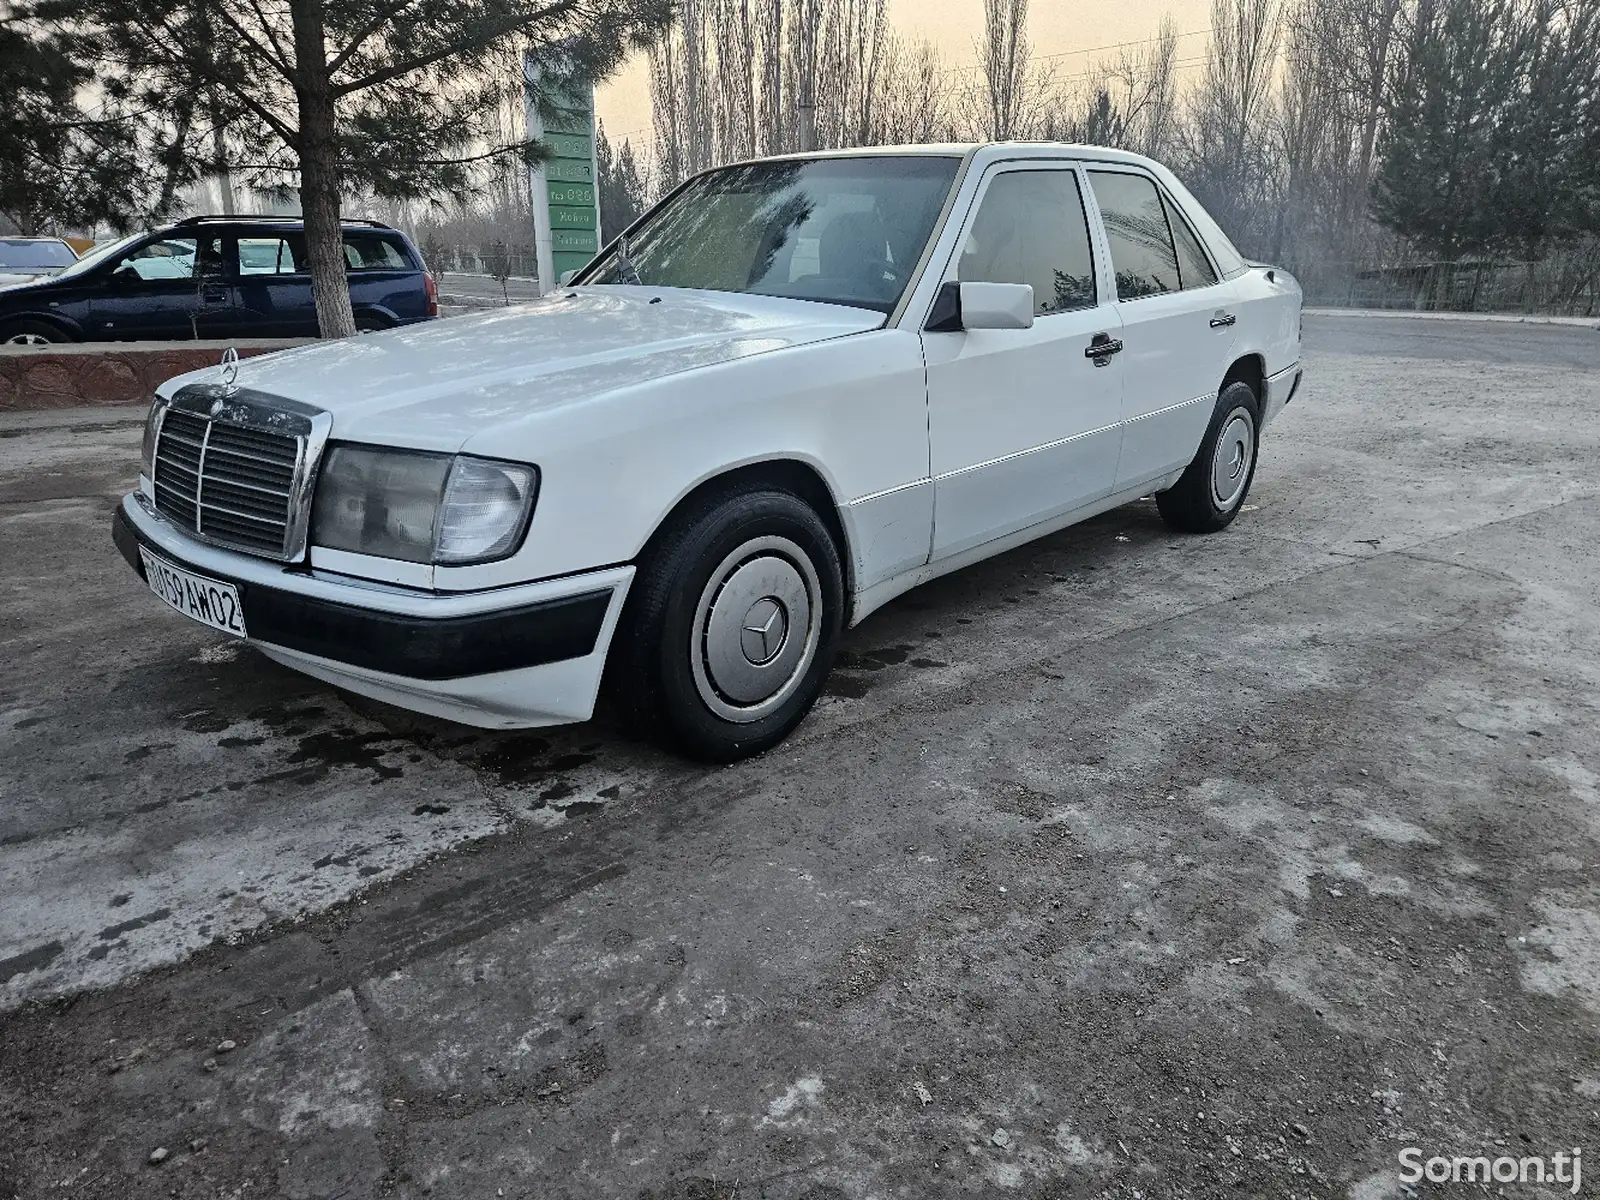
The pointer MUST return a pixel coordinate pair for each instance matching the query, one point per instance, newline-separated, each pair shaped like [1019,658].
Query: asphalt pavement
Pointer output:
[1128,864]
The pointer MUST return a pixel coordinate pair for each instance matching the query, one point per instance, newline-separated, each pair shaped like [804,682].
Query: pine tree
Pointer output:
[621,188]
[393,97]
[1449,100]
[60,165]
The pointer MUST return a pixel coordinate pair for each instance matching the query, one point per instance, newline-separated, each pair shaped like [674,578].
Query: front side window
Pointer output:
[1142,255]
[173,258]
[1031,228]
[837,230]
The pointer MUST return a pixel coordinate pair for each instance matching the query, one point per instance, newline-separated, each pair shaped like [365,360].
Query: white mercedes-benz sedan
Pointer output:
[794,389]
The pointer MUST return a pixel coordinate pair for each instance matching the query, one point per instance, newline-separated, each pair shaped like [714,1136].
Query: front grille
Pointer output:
[228,483]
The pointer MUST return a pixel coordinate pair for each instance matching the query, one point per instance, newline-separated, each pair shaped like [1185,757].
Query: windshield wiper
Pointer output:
[626,271]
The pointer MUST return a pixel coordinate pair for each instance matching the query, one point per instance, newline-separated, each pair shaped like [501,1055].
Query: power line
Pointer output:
[1086,50]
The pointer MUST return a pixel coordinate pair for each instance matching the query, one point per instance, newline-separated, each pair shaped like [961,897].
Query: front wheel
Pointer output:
[31,333]
[732,625]
[1212,489]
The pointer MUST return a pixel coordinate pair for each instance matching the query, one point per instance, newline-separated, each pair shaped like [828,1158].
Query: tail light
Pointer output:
[430,291]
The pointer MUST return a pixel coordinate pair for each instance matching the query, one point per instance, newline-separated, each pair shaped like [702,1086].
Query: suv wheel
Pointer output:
[32,333]
[731,626]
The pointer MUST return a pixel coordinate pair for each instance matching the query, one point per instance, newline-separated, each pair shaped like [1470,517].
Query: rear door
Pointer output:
[275,283]
[1177,323]
[1022,425]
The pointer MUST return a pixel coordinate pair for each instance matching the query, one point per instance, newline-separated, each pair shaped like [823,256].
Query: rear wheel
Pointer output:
[731,626]
[370,323]
[31,333]
[1212,489]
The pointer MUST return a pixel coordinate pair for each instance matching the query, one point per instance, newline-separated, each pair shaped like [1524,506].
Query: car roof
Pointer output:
[33,237]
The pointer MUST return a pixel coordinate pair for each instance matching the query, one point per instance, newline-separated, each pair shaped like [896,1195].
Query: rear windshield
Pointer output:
[19,253]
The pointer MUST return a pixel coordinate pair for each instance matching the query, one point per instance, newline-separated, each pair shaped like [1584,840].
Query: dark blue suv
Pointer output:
[217,277]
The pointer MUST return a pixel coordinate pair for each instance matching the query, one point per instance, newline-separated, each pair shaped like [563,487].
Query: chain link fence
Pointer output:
[1568,286]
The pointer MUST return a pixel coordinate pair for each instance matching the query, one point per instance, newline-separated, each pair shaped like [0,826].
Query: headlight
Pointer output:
[424,508]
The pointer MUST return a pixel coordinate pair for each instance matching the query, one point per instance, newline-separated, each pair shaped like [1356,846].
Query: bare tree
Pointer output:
[1131,102]
[1003,58]
[1227,146]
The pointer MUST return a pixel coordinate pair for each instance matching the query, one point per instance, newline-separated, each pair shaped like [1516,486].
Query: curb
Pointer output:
[1415,315]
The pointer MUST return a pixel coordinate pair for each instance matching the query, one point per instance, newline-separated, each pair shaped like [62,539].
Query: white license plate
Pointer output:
[209,601]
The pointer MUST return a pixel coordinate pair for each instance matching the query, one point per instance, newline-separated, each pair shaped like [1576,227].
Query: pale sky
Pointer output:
[1055,27]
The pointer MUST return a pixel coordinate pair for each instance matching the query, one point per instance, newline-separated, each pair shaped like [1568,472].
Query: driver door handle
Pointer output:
[1101,347]
[1223,319]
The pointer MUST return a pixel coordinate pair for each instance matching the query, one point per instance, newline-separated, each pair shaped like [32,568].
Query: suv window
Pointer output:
[267,255]
[174,258]
[1142,254]
[1194,269]
[370,252]
[1031,228]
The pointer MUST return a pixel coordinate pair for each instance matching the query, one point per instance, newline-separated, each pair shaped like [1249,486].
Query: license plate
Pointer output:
[209,601]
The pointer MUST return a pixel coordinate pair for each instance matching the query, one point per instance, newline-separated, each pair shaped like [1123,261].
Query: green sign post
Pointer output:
[566,203]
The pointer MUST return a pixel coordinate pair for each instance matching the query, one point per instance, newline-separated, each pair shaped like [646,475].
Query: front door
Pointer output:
[1022,425]
[1177,323]
[178,286]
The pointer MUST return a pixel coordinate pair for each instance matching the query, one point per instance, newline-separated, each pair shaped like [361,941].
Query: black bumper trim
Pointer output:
[430,648]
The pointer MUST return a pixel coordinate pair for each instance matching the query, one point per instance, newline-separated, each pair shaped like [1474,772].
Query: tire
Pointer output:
[32,333]
[368,323]
[1213,488]
[710,658]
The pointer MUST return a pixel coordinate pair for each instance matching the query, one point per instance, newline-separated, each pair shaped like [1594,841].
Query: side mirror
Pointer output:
[125,277]
[566,278]
[981,306]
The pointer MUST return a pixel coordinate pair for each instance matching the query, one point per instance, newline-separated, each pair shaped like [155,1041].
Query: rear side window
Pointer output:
[370,252]
[1142,255]
[1031,228]
[273,255]
[1194,269]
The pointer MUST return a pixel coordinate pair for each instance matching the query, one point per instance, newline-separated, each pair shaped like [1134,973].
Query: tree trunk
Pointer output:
[174,164]
[319,172]
[219,152]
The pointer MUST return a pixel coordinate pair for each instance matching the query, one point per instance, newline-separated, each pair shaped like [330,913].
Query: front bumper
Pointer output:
[511,657]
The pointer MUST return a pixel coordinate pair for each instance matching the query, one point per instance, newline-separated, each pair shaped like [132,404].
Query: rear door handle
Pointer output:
[1222,319]
[1101,347]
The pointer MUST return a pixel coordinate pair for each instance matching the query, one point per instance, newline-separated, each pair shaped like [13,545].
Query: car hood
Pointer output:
[435,384]
[12,280]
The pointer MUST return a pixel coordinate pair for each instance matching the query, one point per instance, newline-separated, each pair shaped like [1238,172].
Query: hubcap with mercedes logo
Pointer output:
[755,629]
[765,627]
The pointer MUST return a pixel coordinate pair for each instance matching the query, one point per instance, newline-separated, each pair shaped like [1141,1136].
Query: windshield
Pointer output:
[838,230]
[99,255]
[36,256]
